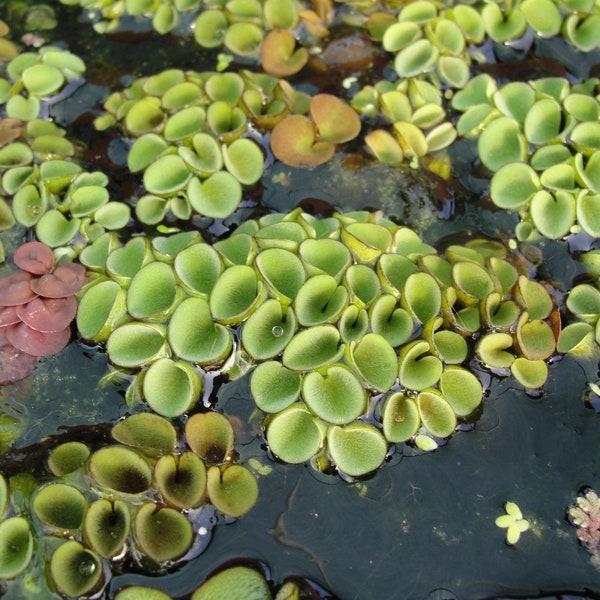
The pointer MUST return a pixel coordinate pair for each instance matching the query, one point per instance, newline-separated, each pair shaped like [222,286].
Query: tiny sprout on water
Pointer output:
[513,521]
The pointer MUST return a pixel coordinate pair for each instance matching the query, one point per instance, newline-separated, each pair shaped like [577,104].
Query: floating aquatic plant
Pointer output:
[306,142]
[235,582]
[37,305]
[585,516]
[365,306]
[165,14]
[138,497]
[44,189]
[538,140]
[33,78]
[192,140]
[415,110]
[514,523]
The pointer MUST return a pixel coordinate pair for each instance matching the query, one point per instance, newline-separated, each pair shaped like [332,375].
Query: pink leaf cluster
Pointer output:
[585,516]
[37,305]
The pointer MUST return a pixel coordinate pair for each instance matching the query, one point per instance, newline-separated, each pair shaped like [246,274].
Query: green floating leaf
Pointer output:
[366,241]
[418,369]
[210,28]
[436,414]
[171,387]
[514,100]
[236,293]
[461,389]
[76,571]
[268,330]
[234,583]
[274,387]
[68,457]
[243,158]
[194,336]
[100,310]
[401,418]
[16,547]
[471,282]
[363,285]
[210,436]
[535,338]
[325,256]
[470,22]
[106,526]
[25,109]
[146,431]
[232,489]
[42,80]
[583,32]
[181,479]
[166,175]
[145,150]
[138,592]
[282,271]
[503,27]
[529,373]
[417,58]
[153,292]
[198,268]
[384,146]
[312,348]
[499,314]
[375,361]
[584,301]
[390,321]
[501,143]
[136,344]
[534,297]
[578,339]
[588,213]
[356,449]
[553,214]
[54,229]
[492,350]
[294,434]
[336,395]
[60,506]
[4,496]
[589,174]
[394,271]
[320,300]
[163,534]
[125,262]
[513,185]
[184,123]
[543,122]
[120,469]
[399,35]
[422,297]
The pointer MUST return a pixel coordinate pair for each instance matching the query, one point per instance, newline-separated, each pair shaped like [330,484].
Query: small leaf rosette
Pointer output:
[357,332]
[514,523]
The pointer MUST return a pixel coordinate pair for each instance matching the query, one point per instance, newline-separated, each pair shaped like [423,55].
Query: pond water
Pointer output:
[423,526]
